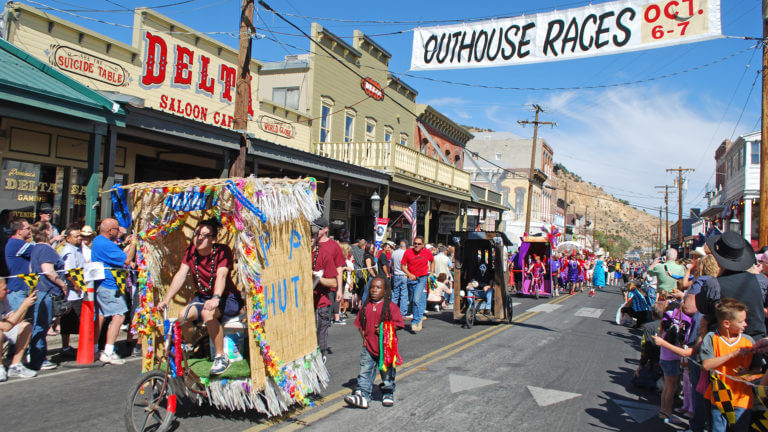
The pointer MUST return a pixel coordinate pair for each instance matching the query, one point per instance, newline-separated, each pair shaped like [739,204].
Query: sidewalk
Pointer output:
[54,346]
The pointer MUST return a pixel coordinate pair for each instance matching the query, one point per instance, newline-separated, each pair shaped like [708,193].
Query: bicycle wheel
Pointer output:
[469,317]
[536,292]
[151,404]
[508,310]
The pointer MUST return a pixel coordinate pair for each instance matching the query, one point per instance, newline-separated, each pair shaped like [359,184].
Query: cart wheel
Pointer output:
[151,404]
[469,317]
[509,310]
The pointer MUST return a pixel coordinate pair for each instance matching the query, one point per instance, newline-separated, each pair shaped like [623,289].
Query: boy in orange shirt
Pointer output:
[729,351]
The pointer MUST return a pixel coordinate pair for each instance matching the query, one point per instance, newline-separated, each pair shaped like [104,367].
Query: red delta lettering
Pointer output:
[227,77]
[206,83]
[184,58]
[155,62]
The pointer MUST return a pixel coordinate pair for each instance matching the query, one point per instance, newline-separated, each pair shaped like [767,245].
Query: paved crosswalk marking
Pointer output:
[545,307]
[516,304]
[460,382]
[640,412]
[589,312]
[545,397]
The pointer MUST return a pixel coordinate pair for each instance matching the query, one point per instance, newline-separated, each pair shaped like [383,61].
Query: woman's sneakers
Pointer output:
[388,401]
[220,364]
[356,400]
[18,370]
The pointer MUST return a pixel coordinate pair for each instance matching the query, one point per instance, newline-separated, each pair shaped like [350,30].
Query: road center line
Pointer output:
[411,366]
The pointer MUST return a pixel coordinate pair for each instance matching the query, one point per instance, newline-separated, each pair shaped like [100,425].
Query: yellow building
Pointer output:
[365,116]
[177,88]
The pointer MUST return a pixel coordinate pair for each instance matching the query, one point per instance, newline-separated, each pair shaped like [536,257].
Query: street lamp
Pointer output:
[375,204]
[734,225]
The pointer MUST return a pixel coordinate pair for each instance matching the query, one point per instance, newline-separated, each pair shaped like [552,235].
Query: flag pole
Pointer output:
[401,214]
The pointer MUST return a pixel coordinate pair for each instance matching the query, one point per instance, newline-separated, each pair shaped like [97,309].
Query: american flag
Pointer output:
[410,215]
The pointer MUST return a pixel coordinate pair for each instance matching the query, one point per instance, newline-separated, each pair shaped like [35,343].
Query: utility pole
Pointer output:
[763,234]
[586,209]
[243,86]
[680,171]
[666,213]
[565,219]
[536,124]
[659,231]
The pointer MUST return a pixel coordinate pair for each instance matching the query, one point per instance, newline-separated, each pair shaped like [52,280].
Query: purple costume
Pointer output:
[573,271]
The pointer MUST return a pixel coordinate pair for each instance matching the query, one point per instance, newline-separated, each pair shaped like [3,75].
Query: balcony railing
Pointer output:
[488,195]
[396,158]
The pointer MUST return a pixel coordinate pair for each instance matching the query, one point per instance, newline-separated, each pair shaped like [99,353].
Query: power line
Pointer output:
[123,10]
[593,87]
[101,21]
[443,21]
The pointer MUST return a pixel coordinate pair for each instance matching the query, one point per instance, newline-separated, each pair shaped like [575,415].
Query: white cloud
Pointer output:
[443,101]
[627,137]
[462,114]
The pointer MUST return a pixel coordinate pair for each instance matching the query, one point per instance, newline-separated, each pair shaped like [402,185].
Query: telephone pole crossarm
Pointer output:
[680,171]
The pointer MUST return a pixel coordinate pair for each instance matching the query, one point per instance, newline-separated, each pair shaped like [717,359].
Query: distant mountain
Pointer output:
[619,226]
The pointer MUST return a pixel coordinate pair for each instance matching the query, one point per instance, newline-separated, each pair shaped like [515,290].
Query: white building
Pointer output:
[737,186]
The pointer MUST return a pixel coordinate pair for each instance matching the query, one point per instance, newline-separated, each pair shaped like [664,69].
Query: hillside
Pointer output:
[620,227]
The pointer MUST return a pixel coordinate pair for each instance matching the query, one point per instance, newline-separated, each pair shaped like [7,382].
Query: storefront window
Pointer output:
[26,186]
[77,195]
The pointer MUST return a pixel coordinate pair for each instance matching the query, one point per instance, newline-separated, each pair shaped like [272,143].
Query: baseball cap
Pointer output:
[46,208]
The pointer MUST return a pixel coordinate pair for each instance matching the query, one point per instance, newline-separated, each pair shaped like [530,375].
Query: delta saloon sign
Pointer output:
[200,76]
[179,72]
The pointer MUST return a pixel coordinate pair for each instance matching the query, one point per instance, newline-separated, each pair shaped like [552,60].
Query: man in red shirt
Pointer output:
[328,258]
[417,264]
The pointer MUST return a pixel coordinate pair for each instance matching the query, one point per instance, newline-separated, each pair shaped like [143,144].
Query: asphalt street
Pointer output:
[564,365]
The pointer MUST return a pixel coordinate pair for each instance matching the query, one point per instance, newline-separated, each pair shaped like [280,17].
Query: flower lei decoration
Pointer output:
[191,198]
[175,358]
[147,320]
[245,201]
[161,230]
[431,283]
[388,352]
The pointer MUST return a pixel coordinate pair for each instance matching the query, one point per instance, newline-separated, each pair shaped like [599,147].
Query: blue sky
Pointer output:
[620,137]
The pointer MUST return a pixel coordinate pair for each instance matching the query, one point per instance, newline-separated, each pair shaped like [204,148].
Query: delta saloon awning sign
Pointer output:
[601,29]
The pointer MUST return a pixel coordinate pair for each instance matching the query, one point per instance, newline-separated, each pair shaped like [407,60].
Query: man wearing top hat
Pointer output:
[735,256]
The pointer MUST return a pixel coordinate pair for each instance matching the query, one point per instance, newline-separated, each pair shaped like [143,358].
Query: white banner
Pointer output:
[606,28]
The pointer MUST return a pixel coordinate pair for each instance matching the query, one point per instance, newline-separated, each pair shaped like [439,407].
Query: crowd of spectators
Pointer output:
[39,299]
[703,323]
[343,274]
